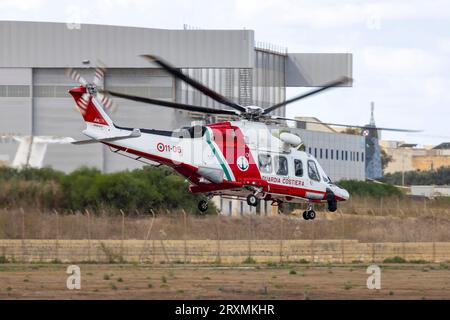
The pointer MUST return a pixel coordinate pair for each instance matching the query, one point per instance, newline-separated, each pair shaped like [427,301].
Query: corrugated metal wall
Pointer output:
[15,109]
[269,80]
[316,69]
[44,44]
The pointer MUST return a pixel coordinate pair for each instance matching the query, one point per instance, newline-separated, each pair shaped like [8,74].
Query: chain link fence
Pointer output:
[375,235]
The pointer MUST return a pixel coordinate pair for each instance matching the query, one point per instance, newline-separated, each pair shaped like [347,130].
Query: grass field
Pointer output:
[293,281]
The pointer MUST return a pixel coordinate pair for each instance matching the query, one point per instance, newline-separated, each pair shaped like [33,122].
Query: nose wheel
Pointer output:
[331,200]
[309,214]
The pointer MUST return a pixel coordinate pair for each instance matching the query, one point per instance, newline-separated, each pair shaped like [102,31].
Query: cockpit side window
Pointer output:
[298,165]
[197,131]
[265,163]
[281,166]
[313,173]
[192,132]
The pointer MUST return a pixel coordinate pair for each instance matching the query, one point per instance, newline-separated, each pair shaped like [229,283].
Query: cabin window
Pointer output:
[332,153]
[362,156]
[281,166]
[337,154]
[320,153]
[326,153]
[313,173]
[265,163]
[298,165]
[357,156]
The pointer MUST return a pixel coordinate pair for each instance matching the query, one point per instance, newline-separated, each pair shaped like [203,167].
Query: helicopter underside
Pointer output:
[242,194]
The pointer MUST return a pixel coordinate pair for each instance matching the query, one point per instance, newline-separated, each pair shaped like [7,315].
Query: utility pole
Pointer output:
[403,170]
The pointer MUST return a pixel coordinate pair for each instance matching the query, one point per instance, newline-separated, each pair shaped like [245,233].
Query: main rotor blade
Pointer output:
[170,104]
[194,83]
[329,85]
[346,125]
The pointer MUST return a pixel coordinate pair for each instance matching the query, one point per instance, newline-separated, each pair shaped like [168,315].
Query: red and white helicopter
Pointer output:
[242,158]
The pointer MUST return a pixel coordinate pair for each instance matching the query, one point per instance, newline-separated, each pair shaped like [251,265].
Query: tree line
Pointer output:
[440,176]
[88,188]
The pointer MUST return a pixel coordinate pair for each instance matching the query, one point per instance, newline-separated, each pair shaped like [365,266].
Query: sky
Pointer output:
[401,48]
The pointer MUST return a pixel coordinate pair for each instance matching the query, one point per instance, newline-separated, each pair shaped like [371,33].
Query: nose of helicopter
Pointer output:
[343,194]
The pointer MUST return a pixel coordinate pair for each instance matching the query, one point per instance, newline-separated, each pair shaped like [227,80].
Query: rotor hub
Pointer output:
[91,89]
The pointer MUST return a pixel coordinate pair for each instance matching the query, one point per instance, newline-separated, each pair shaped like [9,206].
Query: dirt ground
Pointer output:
[48,281]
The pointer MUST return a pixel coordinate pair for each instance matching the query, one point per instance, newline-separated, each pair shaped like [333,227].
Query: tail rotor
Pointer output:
[108,104]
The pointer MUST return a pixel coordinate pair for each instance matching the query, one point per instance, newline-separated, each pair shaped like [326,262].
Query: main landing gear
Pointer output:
[203,204]
[252,200]
[309,214]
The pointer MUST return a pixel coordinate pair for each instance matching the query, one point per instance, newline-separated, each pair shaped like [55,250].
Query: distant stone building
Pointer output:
[409,157]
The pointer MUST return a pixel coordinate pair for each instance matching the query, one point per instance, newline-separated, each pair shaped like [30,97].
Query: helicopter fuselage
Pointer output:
[236,159]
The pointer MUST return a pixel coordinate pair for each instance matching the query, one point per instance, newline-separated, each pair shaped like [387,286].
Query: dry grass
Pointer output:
[410,222]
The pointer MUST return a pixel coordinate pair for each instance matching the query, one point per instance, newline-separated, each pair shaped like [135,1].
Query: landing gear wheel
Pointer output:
[280,208]
[309,215]
[252,200]
[305,215]
[203,205]
[332,207]
[332,203]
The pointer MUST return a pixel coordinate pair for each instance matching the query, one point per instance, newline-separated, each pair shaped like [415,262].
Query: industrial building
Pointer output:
[34,99]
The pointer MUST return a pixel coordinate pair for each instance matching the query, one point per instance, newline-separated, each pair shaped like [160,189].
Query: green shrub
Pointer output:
[348,285]
[395,259]
[303,261]
[249,260]
[419,261]
[88,188]
[376,190]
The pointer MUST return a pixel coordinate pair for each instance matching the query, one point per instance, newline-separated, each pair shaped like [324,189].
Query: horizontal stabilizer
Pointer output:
[134,134]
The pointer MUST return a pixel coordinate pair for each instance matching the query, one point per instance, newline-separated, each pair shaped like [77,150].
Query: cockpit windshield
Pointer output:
[313,173]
